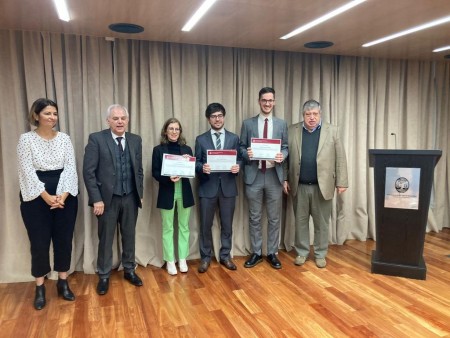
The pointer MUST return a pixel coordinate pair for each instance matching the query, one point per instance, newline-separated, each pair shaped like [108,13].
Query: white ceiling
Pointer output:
[249,23]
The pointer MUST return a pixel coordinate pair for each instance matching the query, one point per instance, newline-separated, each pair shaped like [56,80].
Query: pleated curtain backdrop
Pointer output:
[368,98]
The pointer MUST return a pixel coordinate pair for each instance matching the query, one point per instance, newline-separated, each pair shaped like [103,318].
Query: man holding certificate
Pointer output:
[264,147]
[216,167]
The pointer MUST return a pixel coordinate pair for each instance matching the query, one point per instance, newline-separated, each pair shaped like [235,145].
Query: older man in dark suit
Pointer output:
[113,175]
[216,188]
[264,178]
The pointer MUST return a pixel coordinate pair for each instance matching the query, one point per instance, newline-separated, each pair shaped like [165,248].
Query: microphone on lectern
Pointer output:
[395,139]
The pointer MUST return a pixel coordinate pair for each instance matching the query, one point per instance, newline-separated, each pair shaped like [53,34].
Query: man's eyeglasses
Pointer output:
[264,101]
[216,117]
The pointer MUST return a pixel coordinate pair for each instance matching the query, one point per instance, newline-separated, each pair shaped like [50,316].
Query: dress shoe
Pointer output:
[253,260]
[300,260]
[228,263]
[39,297]
[171,268]
[203,267]
[274,261]
[321,262]
[133,278]
[103,286]
[63,290]
[183,265]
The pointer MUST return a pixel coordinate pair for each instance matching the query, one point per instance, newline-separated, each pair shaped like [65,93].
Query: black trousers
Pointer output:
[45,225]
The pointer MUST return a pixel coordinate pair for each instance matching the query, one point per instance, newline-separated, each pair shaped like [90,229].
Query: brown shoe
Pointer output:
[228,263]
[203,267]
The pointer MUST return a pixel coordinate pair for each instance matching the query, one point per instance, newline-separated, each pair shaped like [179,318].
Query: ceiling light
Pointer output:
[61,8]
[127,28]
[323,18]
[198,15]
[441,49]
[409,31]
[318,44]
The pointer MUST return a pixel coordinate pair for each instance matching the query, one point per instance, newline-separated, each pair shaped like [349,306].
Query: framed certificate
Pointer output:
[178,165]
[265,148]
[221,160]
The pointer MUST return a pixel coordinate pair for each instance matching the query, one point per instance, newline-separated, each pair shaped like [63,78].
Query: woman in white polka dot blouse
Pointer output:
[48,193]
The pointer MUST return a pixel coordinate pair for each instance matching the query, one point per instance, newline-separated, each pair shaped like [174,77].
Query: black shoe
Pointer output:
[253,260]
[39,297]
[274,261]
[228,263]
[103,286]
[63,289]
[132,278]
[203,267]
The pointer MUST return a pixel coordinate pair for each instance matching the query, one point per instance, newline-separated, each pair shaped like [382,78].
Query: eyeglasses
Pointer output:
[174,129]
[216,117]
[264,101]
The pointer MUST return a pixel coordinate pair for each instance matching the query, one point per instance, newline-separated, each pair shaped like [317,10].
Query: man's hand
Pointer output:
[286,187]
[99,208]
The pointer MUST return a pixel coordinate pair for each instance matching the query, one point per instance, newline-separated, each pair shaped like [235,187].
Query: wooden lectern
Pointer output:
[403,182]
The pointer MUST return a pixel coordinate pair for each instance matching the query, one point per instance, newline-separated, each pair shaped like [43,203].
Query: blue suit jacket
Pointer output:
[209,183]
[250,129]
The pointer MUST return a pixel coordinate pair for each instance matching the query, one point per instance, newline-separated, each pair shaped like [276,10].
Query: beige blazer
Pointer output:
[331,159]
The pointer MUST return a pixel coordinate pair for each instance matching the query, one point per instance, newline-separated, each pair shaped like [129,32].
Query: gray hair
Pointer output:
[114,106]
[311,104]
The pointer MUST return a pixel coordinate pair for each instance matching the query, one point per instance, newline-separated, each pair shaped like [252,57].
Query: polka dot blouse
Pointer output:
[36,153]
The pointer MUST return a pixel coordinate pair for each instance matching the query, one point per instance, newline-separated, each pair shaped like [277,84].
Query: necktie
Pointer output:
[218,144]
[119,142]
[263,162]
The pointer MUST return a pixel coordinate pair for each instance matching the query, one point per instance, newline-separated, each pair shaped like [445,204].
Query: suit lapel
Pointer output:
[298,139]
[131,148]
[324,132]
[111,145]
[255,132]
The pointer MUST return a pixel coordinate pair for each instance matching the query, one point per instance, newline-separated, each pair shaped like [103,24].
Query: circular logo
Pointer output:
[401,185]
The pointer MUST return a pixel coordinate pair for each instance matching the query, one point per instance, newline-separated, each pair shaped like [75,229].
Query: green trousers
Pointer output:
[183,227]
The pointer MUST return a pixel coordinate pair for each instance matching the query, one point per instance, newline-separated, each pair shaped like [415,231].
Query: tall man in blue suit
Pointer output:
[317,167]
[216,188]
[264,178]
[113,175]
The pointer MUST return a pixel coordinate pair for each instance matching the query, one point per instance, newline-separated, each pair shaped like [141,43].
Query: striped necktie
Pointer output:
[218,143]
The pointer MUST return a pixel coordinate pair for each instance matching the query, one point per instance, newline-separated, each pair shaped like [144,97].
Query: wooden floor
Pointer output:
[342,300]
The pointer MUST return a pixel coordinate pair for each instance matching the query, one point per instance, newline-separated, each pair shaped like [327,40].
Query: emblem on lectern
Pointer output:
[401,185]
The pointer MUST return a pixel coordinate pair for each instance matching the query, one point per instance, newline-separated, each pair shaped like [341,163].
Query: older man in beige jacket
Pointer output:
[316,167]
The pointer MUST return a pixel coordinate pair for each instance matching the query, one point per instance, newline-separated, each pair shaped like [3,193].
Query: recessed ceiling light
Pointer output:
[323,18]
[441,49]
[198,15]
[318,44]
[61,8]
[409,31]
[128,28]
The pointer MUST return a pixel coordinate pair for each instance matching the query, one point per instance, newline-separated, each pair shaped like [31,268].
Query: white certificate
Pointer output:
[265,148]
[221,160]
[178,165]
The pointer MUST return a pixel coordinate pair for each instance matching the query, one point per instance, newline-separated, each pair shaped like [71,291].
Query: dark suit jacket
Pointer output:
[331,159]
[99,165]
[166,189]
[250,129]
[209,183]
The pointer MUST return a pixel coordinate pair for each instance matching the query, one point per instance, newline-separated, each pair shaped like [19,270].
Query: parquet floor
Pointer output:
[342,300]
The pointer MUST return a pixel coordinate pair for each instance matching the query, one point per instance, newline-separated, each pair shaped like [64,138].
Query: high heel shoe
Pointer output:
[63,290]
[39,297]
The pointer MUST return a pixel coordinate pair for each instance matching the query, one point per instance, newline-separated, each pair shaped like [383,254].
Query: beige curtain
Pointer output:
[368,98]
